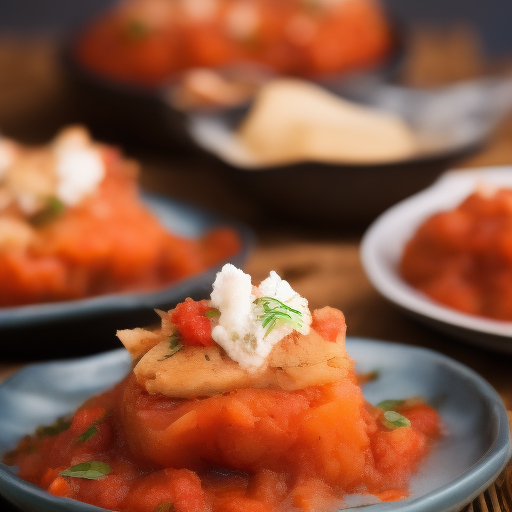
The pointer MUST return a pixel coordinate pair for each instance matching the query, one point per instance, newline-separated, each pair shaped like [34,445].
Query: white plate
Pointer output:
[383,245]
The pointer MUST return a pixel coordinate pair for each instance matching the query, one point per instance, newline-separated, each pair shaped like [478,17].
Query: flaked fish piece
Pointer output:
[296,362]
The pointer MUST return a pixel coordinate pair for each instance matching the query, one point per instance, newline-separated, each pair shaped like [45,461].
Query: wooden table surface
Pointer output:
[321,264]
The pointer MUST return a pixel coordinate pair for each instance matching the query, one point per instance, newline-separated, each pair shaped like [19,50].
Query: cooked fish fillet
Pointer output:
[296,362]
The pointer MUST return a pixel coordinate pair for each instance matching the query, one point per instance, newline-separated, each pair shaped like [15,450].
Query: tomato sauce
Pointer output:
[463,257]
[110,242]
[135,44]
[261,450]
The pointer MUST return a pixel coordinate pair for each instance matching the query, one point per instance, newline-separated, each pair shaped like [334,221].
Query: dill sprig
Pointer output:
[276,313]
[53,209]
[175,345]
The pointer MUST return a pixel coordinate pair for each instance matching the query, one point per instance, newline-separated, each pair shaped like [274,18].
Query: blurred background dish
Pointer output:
[154,43]
[93,321]
[370,169]
[147,63]
[78,245]
[72,226]
[450,123]
[383,246]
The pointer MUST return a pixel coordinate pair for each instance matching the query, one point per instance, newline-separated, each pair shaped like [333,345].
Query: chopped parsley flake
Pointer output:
[52,430]
[91,470]
[393,419]
[175,345]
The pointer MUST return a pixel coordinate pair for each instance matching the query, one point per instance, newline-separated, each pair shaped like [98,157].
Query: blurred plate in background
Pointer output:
[139,67]
[325,193]
[450,123]
[147,116]
[383,245]
[86,325]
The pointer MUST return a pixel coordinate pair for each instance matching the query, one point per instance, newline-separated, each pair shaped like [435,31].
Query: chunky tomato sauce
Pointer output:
[108,243]
[148,41]
[255,450]
[463,257]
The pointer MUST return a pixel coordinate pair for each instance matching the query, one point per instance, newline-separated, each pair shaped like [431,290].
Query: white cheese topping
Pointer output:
[69,169]
[240,331]
[79,172]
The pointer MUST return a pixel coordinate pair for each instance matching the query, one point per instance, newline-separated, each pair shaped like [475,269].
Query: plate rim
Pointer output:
[443,499]
[396,290]
[48,312]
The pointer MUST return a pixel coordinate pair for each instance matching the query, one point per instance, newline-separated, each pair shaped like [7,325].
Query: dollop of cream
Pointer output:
[79,171]
[70,168]
[239,330]
[79,166]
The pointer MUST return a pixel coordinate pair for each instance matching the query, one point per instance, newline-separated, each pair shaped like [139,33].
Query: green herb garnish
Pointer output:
[26,445]
[52,430]
[390,405]
[165,506]
[90,432]
[175,345]
[91,470]
[137,29]
[393,419]
[212,313]
[207,357]
[53,209]
[276,313]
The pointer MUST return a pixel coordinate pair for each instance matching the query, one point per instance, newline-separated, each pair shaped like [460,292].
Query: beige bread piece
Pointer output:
[296,362]
[293,120]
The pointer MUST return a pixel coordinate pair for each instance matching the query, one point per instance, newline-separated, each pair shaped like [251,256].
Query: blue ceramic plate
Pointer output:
[462,464]
[179,218]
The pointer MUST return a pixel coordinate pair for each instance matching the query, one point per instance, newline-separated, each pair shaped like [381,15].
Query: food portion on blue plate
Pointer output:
[75,232]
[249,399]
[442,255]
